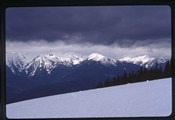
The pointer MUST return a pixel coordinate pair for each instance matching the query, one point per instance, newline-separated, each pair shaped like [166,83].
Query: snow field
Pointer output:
[144,99]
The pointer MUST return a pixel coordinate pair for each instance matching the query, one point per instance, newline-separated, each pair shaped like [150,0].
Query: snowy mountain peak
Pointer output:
[96,57]
[140,59]
[47,58]
[101,58]
[46,61]
[14,57]
[15,61]
[144,60]
[72,59]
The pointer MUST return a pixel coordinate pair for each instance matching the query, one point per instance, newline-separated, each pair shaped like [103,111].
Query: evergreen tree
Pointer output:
[142,74]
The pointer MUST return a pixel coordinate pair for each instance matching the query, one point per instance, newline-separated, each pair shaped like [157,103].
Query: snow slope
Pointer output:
[152,98]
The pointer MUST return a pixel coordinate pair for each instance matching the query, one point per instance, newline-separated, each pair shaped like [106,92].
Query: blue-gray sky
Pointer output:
[124,26]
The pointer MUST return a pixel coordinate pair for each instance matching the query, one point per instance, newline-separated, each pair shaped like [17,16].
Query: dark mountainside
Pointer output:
[89,74]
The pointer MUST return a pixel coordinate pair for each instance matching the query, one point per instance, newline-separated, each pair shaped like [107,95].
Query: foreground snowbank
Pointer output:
[152,98]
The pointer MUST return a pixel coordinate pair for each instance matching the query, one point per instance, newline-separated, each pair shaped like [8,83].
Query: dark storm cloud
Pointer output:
[98,25]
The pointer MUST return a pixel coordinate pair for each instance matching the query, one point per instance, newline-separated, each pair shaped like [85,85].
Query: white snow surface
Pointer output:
[16,59]
[96,56]
[74,59]
[151,98]
[47,61]
[143,59]
[101,58]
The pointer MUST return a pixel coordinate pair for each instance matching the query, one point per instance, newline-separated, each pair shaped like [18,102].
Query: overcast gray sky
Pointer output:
[115,31]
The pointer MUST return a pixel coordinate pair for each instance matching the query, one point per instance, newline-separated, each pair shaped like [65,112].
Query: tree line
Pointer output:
[143,74]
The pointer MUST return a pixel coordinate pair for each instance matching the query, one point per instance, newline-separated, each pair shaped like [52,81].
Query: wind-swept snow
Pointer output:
[152,98]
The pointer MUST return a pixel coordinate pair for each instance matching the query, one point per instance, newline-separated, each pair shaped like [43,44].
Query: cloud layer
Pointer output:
[32,49]
[104,25]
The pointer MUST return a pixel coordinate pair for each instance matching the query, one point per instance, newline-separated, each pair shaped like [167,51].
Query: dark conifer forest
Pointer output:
[143,74]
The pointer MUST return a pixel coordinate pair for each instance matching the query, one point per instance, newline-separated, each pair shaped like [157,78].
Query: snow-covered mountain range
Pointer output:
[41,62]
[17,63]
[144,60]
[48,74]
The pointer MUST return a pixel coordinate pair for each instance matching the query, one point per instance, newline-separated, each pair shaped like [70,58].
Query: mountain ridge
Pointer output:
[50,61]
[48,75]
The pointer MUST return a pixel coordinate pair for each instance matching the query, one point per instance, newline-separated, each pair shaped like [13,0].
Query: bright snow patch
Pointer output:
[152,98]
[72,58]
[15,60]
[101,58]
[96,56]
[136,60]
